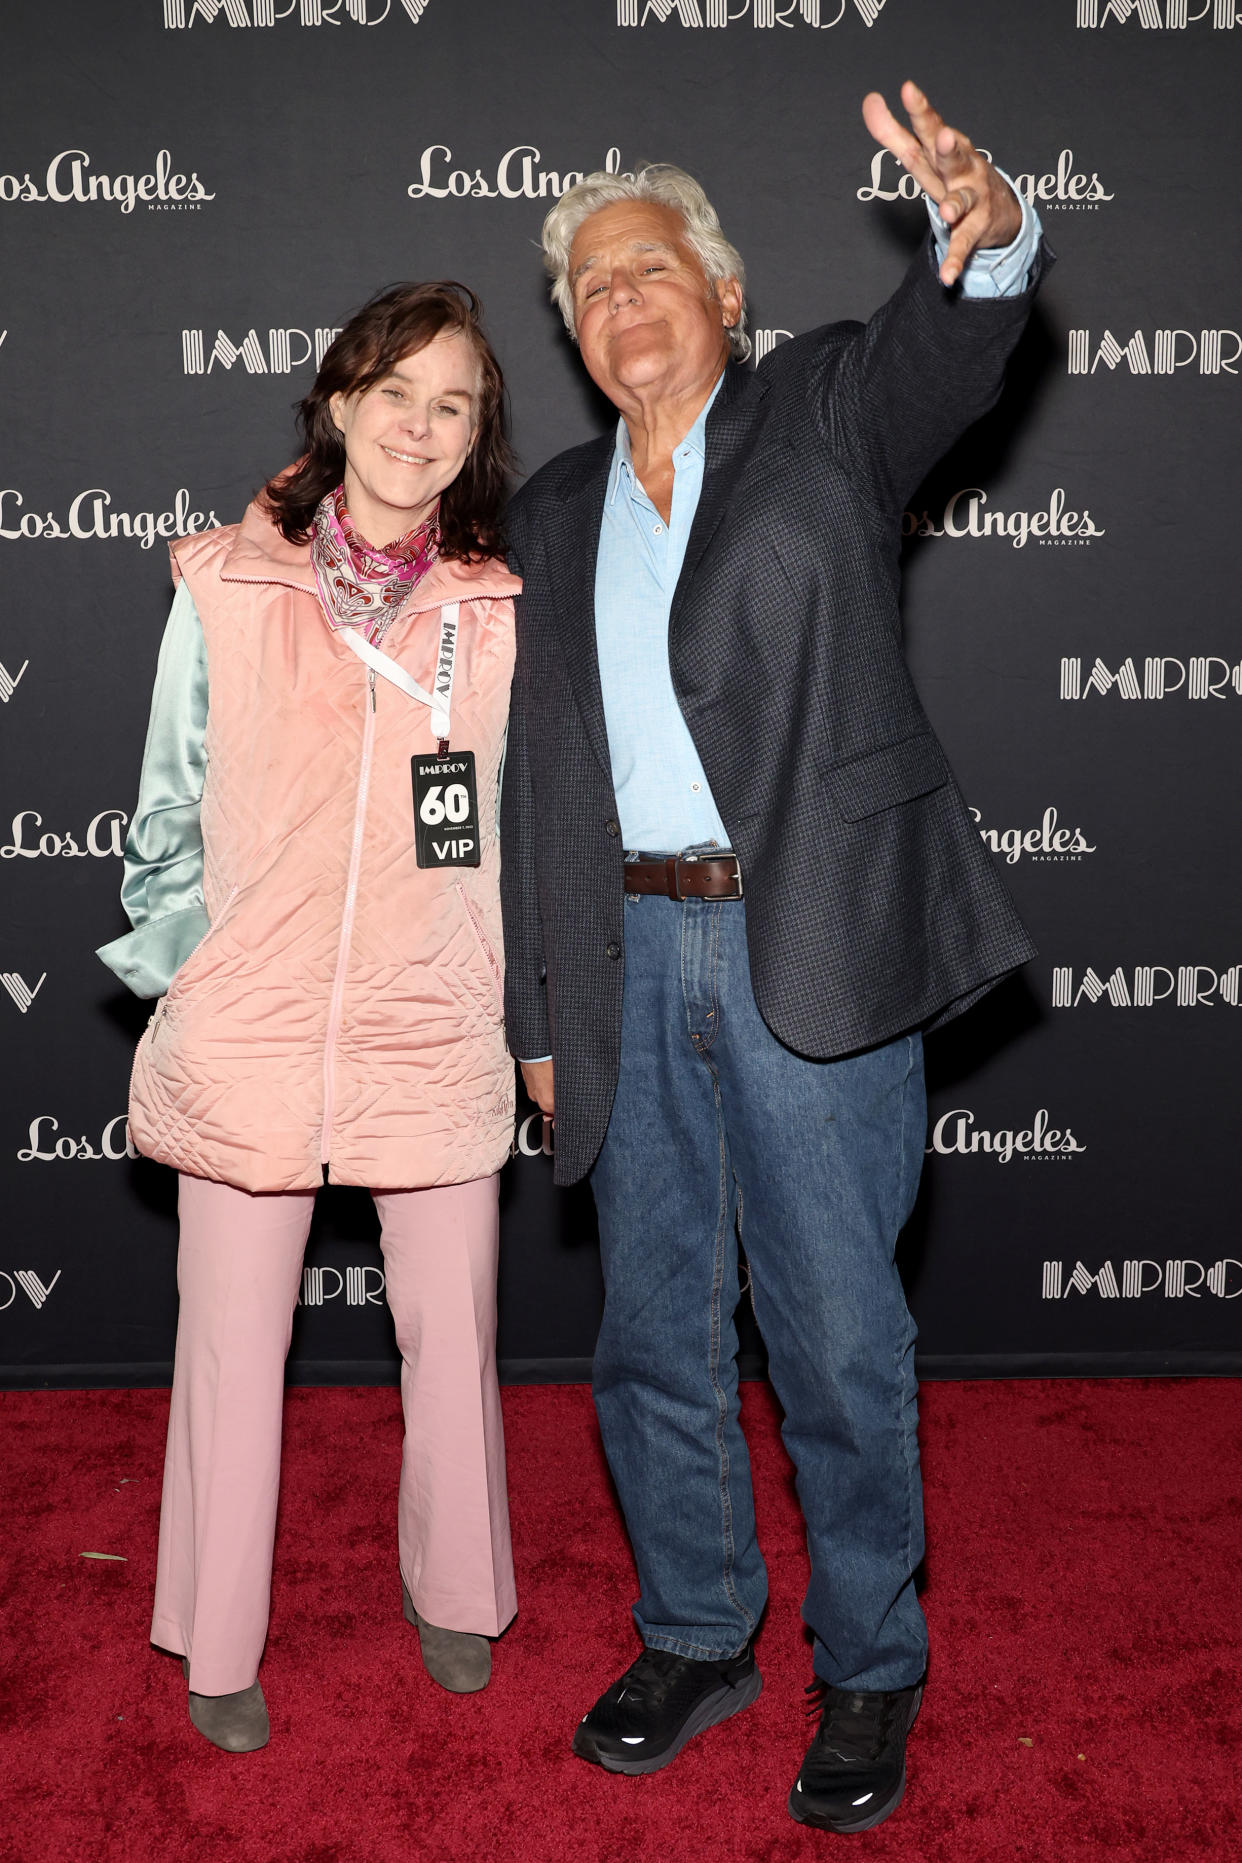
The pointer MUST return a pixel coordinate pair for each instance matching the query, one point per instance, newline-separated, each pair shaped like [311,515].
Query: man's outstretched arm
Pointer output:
[932,359]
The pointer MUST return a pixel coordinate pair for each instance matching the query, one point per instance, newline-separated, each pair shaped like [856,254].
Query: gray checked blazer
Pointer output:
[871,905]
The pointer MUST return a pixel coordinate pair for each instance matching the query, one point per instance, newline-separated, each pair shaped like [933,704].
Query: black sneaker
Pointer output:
[644,1720]
[854,1773]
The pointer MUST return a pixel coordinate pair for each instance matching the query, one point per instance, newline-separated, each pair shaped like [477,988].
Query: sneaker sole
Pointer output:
[802,1814]
[709,1713]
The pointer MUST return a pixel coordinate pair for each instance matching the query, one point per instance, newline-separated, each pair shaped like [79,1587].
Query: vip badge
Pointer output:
[446,810]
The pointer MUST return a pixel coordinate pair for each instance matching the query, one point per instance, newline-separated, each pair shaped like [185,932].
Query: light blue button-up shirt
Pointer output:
[663,799]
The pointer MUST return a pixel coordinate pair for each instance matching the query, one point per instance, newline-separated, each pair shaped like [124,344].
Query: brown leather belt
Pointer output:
[686,876]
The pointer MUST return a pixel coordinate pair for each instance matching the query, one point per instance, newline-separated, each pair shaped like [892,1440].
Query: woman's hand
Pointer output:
[537,1079]
[977,205]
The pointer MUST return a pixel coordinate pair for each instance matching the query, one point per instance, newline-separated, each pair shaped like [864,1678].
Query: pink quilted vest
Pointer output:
[345,1006]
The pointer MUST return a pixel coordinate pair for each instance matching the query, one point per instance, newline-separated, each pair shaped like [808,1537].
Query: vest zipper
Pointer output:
[337,998]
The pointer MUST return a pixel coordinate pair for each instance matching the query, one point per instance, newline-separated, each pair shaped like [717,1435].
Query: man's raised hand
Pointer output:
[977,205]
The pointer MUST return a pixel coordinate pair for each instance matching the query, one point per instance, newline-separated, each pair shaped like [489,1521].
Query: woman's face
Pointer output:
[407,437]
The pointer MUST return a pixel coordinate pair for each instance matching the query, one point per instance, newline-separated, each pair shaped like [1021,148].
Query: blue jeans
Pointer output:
[716,1127]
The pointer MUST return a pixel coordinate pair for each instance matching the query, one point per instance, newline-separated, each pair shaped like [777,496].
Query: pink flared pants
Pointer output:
[239,1270]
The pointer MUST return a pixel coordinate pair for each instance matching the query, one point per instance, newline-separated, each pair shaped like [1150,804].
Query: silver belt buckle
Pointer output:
[727,897]
[680,860]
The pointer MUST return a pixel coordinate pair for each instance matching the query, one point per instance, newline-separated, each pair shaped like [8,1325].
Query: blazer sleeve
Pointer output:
[526,1007]
[162,887]
[894,397]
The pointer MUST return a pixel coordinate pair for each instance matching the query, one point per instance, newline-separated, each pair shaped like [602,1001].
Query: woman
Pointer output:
[311,874]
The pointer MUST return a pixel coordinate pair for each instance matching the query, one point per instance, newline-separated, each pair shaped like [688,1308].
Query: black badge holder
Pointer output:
[446,809]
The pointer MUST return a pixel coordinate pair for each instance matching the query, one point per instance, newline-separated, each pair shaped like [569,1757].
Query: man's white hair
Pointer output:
[666,186]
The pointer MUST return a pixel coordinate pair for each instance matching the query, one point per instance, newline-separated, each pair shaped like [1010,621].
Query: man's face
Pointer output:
[648,321]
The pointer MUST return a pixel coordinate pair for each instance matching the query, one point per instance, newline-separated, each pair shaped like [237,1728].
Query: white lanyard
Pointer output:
[440,698]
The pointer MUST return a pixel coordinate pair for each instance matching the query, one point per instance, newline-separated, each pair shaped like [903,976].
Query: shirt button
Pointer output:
[613,827]
[657,529]
[612,950]
[695,788]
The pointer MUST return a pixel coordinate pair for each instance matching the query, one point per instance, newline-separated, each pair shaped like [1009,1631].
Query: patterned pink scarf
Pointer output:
[359,585]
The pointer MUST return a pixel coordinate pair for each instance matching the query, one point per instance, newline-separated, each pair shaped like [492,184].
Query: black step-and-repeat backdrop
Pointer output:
[195,193]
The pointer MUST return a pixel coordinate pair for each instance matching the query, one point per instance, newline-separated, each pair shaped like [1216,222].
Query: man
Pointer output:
[738,881]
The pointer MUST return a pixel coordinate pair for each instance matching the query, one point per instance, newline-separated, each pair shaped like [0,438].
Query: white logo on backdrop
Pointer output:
[66,179]
[20,991]
[1187,986]
[104,836]
[361,1286]
[1203,676]
[821,14]
[9,682]
[763,342]
[286,350]
[1063,188]
[32,1285]
[44,1146]
[533,1138]
[518,175]
[1174,1280]
[1217,351]
[89,516]
[1047,842]
[1055,526]
[181,15]
[956,1131]
[1174,16]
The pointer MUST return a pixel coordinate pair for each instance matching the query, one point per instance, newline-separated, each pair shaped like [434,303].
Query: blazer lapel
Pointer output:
[573,546]
[727,427]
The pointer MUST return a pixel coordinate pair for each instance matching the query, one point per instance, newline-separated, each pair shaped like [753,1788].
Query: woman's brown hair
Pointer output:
[395,323]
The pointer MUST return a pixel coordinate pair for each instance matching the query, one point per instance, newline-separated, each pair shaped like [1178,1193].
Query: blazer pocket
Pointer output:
[882,778]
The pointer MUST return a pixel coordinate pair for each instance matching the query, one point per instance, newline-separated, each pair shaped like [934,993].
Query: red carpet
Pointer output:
[1083,1594]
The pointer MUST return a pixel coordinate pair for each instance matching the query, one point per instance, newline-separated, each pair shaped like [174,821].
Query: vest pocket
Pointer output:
[229,897]
[484,944]
[178,978]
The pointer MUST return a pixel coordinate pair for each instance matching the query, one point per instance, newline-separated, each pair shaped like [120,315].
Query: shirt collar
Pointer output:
[623,460]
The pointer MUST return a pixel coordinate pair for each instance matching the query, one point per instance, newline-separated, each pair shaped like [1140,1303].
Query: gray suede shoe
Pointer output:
[456,1659]
[235,1723]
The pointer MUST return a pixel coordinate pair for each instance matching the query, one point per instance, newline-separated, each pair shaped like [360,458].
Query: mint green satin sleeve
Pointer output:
[162,889]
